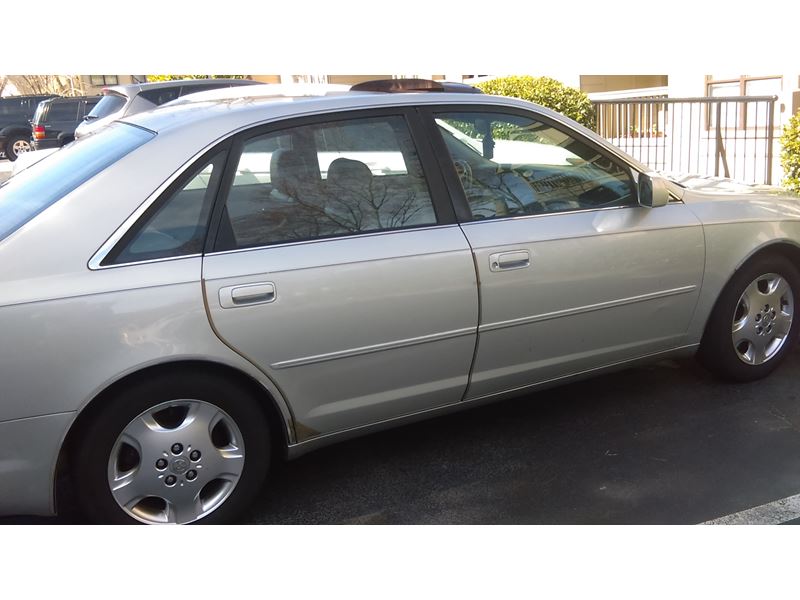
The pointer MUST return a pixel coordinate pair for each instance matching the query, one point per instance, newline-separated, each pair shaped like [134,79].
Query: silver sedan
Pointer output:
[250,275]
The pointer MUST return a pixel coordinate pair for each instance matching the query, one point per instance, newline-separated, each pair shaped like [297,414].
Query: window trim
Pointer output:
[439,195]
[447,168]
[132,226]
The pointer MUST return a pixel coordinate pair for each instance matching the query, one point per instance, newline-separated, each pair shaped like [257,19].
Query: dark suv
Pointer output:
[55,120]
[15,123]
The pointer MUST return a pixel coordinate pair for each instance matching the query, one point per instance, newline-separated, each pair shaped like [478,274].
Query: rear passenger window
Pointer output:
[324,180]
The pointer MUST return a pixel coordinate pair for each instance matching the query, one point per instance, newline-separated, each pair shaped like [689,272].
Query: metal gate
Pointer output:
[730,136]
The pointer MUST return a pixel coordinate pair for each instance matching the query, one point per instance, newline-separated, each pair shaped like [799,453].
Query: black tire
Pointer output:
[718,352]
[91,457]
[11,154]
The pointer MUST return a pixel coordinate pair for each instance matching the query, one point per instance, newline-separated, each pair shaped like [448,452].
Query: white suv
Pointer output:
[122,100]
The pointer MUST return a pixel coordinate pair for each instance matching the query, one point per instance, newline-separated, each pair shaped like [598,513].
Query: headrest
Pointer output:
[344,172]
[286,167]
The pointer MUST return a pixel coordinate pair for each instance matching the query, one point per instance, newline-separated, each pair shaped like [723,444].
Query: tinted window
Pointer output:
[510,165]
[323,180]
[178,226]
[108,104]
[40,110]
[201,87]
[159,96]
[86,107]
[62,111]
[32,190]
[11,107]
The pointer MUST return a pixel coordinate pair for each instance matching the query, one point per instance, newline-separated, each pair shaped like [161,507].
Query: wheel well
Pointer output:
[785,249]
[278,434]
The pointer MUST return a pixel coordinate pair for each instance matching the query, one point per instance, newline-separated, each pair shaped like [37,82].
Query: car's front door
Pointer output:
[574,274]
[338,269]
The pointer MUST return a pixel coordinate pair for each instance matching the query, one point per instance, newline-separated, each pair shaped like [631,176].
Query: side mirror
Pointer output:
[653,191]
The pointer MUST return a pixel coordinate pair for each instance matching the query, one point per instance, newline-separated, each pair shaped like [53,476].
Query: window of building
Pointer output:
[742,114]
[104,79]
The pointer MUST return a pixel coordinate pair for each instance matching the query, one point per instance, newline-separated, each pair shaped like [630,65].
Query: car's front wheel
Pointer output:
[172,450]
[753,324]
[17,145]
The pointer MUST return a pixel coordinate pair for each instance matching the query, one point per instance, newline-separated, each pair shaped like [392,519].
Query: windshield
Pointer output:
[110,103]
[41,185]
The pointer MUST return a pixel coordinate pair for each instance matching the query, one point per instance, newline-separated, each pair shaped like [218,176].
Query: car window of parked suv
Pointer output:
[159,96]
[109,103]
[513,165]
[62,111]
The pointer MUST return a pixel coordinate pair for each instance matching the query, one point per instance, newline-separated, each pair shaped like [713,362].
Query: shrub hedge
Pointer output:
[790,154]
[546,92]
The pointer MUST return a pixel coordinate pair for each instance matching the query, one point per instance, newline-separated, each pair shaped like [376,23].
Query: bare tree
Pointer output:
[62,85]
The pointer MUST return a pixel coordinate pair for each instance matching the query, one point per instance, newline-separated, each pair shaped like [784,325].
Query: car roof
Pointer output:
[131,89]
[60,99]
[228,110]
[233,108]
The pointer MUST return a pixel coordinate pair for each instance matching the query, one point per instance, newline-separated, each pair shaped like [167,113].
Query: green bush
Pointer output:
[790,154]
[546,92]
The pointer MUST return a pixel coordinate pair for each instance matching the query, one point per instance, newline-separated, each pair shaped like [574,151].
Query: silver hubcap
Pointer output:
[762,319]
[176,462]
[21,146]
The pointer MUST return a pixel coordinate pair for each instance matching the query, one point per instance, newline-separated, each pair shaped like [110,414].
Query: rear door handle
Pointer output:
[508,261]
[246,295]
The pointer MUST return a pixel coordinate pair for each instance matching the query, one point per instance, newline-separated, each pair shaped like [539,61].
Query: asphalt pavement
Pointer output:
[659,444]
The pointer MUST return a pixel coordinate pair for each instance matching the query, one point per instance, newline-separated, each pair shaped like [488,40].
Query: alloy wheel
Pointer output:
[176,462]
[762,319]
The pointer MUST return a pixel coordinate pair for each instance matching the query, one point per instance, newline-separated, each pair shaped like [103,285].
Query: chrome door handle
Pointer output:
[246,295]
[508,261]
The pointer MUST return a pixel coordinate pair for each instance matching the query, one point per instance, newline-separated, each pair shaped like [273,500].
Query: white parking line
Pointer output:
[772,513]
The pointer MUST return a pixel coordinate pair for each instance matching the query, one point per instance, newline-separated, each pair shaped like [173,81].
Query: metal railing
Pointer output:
[732,136]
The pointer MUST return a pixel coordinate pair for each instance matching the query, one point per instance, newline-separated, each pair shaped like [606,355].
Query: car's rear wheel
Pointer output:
[17,145]
[753,323]
[173,450]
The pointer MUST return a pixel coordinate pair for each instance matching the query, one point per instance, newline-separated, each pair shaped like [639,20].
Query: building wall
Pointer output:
[611,83]
[267,78]
[91,89]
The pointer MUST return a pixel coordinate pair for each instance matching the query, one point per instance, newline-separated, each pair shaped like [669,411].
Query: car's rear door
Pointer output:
[574,274]
[339,269]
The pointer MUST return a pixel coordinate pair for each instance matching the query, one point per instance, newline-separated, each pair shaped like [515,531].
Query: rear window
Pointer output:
[37,116]
[62,111]
[41,185]
[108,104]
